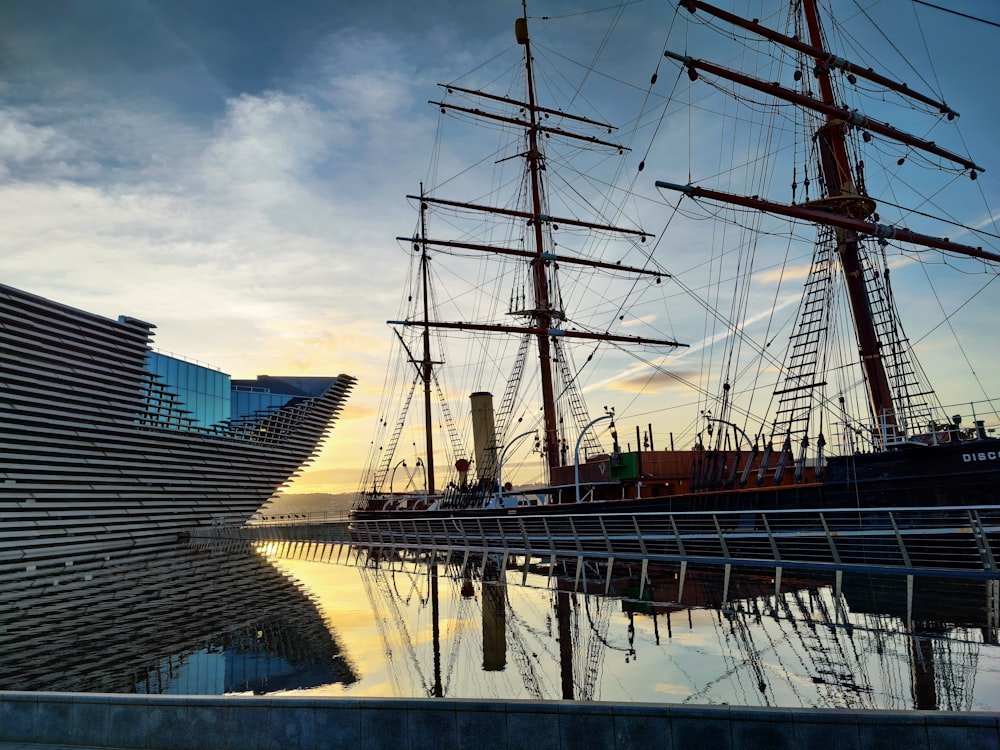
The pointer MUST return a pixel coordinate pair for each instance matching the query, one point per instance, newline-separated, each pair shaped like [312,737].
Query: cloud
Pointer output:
[645,319]
[780,275]
[256,236]
[25,146]
[272,137]
[259,185]
[367,72]
[653,382]
[640,377]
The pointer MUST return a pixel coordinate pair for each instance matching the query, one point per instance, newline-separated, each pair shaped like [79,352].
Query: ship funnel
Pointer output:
[484,436]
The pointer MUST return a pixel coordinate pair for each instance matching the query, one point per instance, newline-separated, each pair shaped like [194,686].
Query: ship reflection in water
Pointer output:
[462,627]
[333,620]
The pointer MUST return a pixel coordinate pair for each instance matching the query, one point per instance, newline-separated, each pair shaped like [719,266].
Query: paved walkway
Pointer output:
[48,721]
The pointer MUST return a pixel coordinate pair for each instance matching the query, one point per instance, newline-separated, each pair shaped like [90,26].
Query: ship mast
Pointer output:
[426,363]
[542,320]
[837,176]
[542,313]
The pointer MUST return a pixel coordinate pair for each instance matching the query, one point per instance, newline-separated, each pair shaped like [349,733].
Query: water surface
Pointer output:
[321,620]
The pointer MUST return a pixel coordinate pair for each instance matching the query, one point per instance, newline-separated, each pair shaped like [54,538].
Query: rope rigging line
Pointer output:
[977,19]
[617,6]
[896,49]
[947,320]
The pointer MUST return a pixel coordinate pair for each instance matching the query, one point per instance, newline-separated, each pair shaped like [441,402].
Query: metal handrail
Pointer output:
[951,540]
[960,538]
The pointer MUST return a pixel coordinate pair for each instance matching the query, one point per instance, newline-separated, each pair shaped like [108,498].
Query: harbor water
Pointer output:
[332,620]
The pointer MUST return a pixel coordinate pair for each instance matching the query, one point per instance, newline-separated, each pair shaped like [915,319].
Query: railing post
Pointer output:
[829,539]
[982,540]
[992,612]
[899,541]
[909,602]
[770,538]
[677,537]
[638,536]
[722,539]
[604,531]
[576,537]
[482,536]
[524,535]
[503,537]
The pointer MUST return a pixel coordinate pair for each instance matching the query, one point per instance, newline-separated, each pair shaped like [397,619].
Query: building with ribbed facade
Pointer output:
[106,444]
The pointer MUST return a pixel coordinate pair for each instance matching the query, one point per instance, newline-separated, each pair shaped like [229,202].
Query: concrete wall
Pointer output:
[204,723]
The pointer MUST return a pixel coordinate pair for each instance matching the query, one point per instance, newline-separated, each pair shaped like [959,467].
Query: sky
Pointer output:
[236,172]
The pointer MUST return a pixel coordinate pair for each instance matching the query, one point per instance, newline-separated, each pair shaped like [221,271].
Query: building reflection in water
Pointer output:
[468,627]
[167,621]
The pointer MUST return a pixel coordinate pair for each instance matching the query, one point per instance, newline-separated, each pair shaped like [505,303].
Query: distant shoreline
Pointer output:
[309,502]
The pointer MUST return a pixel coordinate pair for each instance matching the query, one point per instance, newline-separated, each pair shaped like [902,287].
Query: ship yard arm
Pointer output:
[518,103]
[546,257]
[874,229]
[532,216]
[539,128]
[831,110]
[547,332]
[825,58]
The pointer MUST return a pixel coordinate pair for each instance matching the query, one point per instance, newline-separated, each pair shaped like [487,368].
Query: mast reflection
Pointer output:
[574,629]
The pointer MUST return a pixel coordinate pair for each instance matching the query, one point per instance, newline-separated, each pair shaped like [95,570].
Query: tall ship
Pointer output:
[108,446]
[557,292]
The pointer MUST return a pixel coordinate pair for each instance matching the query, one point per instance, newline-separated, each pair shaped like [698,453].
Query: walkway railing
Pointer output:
[284,519]
[959,539]
[954,540]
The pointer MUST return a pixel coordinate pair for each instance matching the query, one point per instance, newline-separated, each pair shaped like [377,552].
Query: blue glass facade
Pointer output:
[267,393]
[248,400]
[185,395]
[201,391]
